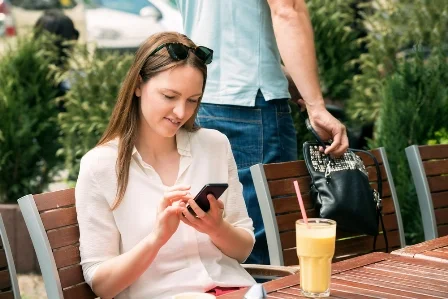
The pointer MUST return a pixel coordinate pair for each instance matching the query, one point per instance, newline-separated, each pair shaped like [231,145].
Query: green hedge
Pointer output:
[336,39]
[28,110]
[394,29]
[96,80]
[414,108]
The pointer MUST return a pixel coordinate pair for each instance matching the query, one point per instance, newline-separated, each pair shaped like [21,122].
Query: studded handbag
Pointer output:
[341,190]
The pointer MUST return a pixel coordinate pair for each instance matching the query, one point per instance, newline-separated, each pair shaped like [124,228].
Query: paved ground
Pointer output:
[31,286]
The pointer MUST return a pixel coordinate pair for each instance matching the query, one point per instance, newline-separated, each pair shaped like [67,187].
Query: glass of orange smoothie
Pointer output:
[315,249]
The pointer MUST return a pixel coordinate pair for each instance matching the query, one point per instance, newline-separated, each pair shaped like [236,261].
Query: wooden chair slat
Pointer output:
[349,246]
[435,167]
[288,240]
[373,176]
[388,205]
[71,276]
[440,199]
[5,279]
[3,261]
[438,183]
[285,186]
[7,295]
[59,218]
[390,222]
[63,236]
[428,152]
[290,204]
[79,291]
[351,256]
[55,200]
[288,221]
[386,189]
[67,256]
[368,161]
[441,216]
[290,257]
[442,230]
[285,170]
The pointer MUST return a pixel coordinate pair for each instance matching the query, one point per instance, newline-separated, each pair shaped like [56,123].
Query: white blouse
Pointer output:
[189,261]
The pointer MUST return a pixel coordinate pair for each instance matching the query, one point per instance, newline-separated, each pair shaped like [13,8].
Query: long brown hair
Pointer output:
[125,117]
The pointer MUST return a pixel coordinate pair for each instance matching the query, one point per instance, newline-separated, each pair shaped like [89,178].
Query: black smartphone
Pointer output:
[201,198]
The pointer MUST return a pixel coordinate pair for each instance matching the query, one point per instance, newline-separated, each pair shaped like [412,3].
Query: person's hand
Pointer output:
[170,211]
[208,223]
[328,127]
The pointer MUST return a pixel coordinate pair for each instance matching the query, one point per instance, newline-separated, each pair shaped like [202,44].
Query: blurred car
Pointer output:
[26,12]
[7,27]
[125,24]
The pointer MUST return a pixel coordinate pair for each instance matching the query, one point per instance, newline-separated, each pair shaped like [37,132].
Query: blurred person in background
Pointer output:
[247,95]
[54,21]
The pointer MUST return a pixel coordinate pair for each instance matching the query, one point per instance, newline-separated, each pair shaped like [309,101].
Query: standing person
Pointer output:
[54,21]
[137,238]
[59,24]
[247,92]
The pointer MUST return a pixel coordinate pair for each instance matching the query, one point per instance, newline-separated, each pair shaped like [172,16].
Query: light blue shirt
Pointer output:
[246,56]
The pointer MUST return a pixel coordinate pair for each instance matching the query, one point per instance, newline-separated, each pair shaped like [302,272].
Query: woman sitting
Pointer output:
[137,237]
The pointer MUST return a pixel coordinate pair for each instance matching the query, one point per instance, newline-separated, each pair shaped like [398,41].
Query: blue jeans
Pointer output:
[261,134]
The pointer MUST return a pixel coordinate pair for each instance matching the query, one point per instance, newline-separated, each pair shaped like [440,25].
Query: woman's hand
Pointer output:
[170,211]
[209,223]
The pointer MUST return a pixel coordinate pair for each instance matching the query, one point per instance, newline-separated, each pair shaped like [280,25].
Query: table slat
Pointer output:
[374,275]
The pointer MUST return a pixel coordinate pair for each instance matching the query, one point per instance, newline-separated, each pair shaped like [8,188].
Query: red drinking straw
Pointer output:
[302,207]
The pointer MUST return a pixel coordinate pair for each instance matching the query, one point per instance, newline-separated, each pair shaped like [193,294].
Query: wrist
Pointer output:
[154,242]
[220,230]
[315,107]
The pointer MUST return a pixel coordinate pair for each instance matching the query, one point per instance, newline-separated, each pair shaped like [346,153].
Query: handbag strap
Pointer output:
[379,206]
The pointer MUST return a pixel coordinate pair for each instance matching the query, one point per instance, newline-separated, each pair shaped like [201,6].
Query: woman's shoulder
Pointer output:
[101,155]
[209,136]
[208,141]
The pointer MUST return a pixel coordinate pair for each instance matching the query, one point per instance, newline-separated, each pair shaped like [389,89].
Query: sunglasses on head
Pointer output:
[180,51]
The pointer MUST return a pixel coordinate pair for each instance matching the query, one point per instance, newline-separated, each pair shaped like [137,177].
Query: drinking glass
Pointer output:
[315,249]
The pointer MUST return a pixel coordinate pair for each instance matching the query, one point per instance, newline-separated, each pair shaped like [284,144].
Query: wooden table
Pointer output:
[435,250]
[375,275]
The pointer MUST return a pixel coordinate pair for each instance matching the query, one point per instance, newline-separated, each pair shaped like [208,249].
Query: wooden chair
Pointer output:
[280,210]
[53,227]
[429,167]
[9,287]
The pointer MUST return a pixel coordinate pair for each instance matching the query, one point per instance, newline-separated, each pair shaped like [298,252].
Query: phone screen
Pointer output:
[201,198]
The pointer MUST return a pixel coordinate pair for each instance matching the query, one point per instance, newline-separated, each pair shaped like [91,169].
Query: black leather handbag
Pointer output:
[341,191]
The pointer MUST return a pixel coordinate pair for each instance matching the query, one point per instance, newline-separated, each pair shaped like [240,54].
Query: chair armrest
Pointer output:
[269,270]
